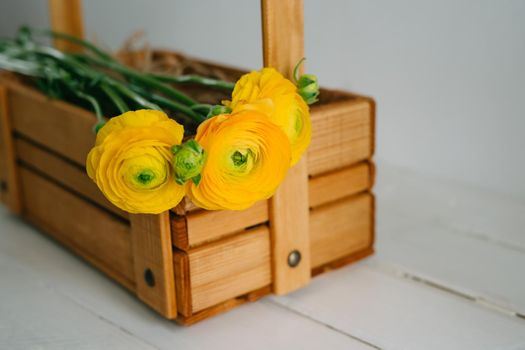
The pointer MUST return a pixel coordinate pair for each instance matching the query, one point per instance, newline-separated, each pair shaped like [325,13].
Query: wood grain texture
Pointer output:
[283,47]
[181,266]
[339,184]
[10,186]
[66,17]
[65,172]
[341,228]
[152,251]
[92,233]
[229,268]
[223,307]
[283,33]
[205,226]
[342,134]
[61,127]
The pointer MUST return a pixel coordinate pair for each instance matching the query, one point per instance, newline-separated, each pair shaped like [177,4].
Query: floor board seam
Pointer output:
[482,302]
[100,317]
[319,322]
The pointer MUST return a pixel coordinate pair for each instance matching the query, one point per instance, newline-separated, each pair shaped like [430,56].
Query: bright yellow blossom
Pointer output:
[269,92]
[248,156]
[131,161]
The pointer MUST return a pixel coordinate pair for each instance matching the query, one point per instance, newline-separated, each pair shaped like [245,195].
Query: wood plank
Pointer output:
[342,134]
[35,315]
[393,312]
[181,266]
[487,272]
[341,228]
[283,47]
[65,172]
[3,163]
[63,128]
[223,307]
[205,226]
[229,268]
[66,17]
[153,262]
[10,186]
[463,208]
[95,235]
[339,184]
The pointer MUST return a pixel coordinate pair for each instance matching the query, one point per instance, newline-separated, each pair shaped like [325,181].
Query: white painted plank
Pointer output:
[425,227]
[479,268]
[396,313]
[259,325]
[467,209]
[34,316]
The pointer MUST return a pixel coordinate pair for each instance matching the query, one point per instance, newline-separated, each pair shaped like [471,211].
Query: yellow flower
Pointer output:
[248,156]
[131,162]
[269,92]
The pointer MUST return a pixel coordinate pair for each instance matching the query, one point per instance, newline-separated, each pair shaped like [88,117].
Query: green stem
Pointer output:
[145,79]
[93,101]
[115,98]
[296,69]
[20,66]
[163,101]
[73,39]
[125,91]
[195,79]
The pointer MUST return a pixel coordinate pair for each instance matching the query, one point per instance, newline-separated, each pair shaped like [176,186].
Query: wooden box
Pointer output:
[188,263]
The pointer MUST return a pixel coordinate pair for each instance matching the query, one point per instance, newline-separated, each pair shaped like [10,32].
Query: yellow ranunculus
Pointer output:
[269,92]
[248,156]
[131,162]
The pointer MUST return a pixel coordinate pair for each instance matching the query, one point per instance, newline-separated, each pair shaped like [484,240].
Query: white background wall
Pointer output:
[448,75]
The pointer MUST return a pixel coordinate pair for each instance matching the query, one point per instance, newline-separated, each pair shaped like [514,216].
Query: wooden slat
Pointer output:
[342,134]
[283,47]
[341,228]
[152,251]
[66,17]
[95,235]
[229,268]
[10,186]
[205,226]
[66,173]
[339,184]
[63,128]
[223,307]
[181,266]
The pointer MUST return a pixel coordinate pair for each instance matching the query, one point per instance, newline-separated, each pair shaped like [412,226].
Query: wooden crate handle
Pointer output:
[283,47]
[66,17]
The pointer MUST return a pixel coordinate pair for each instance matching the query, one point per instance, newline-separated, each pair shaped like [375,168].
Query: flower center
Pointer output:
[242,161]
[239,159]
[145,177]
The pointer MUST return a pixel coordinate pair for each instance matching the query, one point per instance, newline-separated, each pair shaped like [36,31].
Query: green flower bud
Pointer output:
[308,88]
[188,161]
[218,110]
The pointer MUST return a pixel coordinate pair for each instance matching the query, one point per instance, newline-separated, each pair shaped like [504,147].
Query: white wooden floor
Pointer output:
[449,273]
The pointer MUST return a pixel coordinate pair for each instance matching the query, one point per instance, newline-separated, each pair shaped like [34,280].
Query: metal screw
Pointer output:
[294,258]
[149,277]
